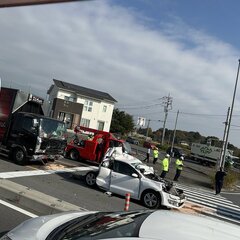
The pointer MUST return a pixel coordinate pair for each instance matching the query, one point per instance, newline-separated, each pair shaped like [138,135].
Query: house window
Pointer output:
[85,122]
[88,106]
[104,108]
[100,125]
[67,118]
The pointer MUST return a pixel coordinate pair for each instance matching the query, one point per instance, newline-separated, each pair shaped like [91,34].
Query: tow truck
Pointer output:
[91,144]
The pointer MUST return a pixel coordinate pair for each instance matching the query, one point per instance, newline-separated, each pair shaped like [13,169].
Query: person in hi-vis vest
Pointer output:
[165,166]
[155,155]
[179,167]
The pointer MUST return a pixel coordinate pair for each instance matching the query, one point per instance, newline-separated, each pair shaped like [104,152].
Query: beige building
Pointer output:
[77,105]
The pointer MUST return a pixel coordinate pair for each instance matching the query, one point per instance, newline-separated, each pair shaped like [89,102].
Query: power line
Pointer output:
[188,113]
[205,114]
[139,106]
[144,115]
[235,126]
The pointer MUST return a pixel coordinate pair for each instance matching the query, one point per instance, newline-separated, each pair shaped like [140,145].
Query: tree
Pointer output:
[121,122]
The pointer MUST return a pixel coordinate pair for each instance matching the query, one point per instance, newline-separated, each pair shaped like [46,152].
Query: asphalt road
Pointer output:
[10,218]
[62,186]
[65,187]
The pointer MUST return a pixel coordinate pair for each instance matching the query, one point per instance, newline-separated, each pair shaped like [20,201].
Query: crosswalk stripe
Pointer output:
[217,204]
[222,207]
[224,211]
[205,194]
[222,216]
[219,201]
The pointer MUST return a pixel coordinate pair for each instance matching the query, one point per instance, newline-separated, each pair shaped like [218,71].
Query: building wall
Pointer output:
[72,108]
[51,97]
[97,114]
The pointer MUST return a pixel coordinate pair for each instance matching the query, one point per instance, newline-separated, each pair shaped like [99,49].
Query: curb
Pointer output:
[34,200]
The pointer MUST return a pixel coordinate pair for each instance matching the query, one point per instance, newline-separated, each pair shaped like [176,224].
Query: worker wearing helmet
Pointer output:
[179,167]
[165,166]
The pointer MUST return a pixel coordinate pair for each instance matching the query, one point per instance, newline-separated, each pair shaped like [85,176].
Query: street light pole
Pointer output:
[174,133]
[230,116]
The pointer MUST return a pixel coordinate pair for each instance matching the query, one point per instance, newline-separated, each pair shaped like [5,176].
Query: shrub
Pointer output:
[163,148]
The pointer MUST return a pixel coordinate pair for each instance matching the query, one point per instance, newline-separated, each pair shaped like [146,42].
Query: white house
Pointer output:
[77,105]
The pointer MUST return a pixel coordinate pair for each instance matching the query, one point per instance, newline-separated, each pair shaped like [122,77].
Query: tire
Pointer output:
[74,154]
[90,179]
[151,199]
[19,156]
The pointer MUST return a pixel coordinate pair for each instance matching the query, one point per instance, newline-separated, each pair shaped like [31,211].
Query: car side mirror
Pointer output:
[105,164]
[134,175]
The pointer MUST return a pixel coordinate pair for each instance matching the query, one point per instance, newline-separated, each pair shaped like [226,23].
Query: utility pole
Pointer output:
[230,115]
[174,133]
[224,146]
[148,126]
[167,103]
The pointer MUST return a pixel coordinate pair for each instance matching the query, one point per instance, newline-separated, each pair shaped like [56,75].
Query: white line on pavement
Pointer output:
[7,175]
[18,209]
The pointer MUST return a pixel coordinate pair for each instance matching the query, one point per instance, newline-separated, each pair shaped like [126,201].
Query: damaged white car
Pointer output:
[121,173]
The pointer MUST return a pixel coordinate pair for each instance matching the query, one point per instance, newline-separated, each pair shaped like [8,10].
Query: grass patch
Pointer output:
[229,181]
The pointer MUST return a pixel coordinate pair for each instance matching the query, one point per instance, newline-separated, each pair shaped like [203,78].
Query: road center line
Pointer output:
[18,209]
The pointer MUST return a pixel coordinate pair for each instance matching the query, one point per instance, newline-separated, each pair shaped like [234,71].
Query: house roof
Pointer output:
[88,92]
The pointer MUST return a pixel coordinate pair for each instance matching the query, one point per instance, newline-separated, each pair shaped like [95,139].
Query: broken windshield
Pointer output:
[50,128]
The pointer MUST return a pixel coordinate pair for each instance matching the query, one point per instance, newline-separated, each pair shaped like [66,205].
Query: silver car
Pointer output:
[145,224]
[122,173]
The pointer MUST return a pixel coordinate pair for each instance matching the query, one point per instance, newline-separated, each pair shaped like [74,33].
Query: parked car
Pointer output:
[122,173]
[149,145]
[176,152]
[140,224]
[132,140]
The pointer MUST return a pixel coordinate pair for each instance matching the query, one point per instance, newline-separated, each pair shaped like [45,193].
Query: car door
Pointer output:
[122,181]
[104,175]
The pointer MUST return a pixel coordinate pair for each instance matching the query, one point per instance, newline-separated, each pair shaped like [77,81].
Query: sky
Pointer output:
[138,51]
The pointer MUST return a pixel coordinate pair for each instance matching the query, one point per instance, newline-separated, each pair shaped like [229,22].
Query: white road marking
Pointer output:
[18,209]
[7,175]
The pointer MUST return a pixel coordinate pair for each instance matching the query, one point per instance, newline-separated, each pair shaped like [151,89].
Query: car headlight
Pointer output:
[172,202]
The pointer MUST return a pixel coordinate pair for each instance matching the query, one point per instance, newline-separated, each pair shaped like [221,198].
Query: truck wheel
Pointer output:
[90,179]
[74,154]
[151,199]
[19,156]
